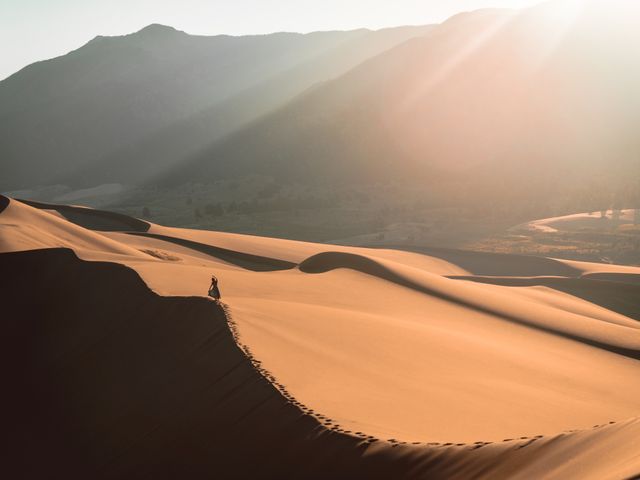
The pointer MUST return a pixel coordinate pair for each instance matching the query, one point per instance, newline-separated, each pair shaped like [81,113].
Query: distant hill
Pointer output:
[119,107]
[514,104]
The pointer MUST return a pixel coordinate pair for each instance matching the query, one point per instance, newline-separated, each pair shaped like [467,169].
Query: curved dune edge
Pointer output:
[256,263]
[497,264]
[93,219]
[603,287]
[4,203]
[328,261]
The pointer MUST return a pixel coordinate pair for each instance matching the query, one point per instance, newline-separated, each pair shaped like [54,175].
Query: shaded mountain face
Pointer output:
[119,107]
[536,99]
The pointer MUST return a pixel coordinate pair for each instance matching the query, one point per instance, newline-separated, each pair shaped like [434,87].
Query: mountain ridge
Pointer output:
[79,109]
[479,97]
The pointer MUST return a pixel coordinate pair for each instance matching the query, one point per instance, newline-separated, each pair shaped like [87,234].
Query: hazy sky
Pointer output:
[32,30]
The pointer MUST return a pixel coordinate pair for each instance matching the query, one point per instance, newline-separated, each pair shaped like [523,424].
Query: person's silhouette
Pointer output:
[214,291]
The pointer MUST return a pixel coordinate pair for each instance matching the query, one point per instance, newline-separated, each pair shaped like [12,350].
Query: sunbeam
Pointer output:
[460,50]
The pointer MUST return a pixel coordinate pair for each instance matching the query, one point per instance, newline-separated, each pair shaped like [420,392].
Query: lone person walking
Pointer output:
[214,291]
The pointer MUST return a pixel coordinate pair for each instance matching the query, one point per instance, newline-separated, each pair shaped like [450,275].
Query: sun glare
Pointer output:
[441,72]
[564,12]
[553,20]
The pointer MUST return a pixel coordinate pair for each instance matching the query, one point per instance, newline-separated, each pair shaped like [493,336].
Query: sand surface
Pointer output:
[433,364]
[598,221]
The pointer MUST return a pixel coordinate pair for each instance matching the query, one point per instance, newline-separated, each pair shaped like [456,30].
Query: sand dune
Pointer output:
[580,221]
[324,361]
[94,219]
[27,228]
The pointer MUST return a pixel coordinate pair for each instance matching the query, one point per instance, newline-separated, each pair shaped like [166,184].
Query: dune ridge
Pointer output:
[327,261]
[26,228]
[612,290]
[141,377]
[256,263]
[93,219]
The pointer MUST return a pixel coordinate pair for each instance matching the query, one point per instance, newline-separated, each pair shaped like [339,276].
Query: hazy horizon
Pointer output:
[39,30]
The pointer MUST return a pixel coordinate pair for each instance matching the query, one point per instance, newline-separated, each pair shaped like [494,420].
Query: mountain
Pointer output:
[119,106]
[493,100]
